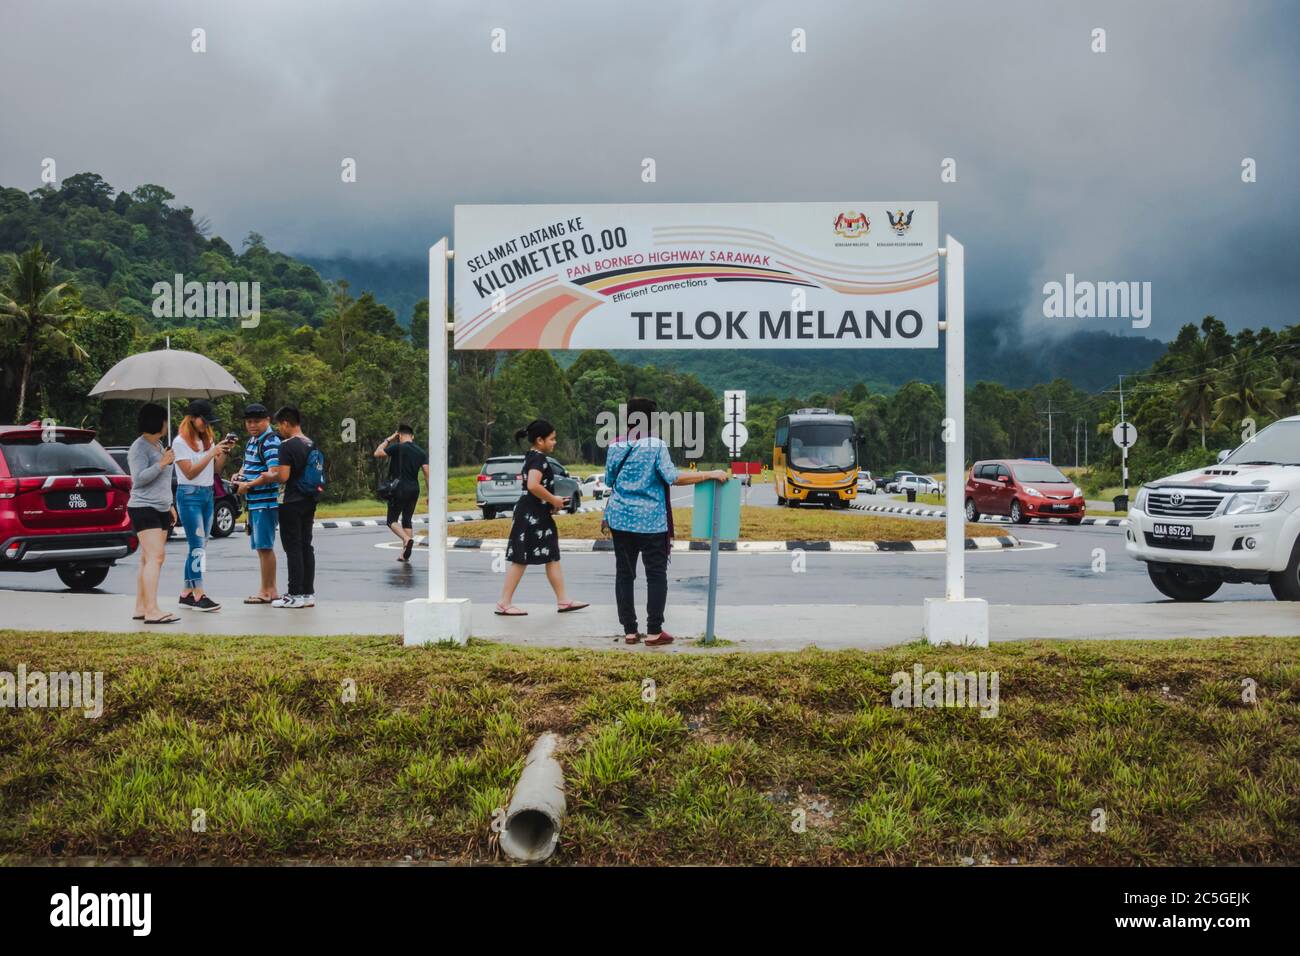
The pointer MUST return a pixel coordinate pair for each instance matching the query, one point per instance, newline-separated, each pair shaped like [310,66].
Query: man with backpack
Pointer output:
[257,482]
[302,471]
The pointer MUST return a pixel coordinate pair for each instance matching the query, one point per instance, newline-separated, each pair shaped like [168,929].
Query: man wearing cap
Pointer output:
[256,482]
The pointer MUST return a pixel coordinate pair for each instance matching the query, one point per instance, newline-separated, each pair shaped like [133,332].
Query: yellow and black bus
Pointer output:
[814,458]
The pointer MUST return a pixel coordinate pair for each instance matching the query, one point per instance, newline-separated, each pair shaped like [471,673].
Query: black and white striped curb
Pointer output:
[920,512]
[755,547]
[417,520]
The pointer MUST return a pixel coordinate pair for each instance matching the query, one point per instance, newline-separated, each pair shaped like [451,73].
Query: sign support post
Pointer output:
[716,521]
[1125,436]
[437,617]
[955,618]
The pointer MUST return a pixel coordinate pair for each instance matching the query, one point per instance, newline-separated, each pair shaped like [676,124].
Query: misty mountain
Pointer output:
[397,283]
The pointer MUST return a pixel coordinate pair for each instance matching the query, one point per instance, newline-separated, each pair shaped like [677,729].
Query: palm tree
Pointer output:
[1247,388]
[1194,401]
[31,308]
[1289,403]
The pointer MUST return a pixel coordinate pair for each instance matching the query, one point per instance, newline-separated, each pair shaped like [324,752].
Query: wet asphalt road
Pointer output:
[1055,568]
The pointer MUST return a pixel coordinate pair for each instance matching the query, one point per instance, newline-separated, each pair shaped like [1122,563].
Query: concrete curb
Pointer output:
[755,547]
[767,627]
[240,527]
[922,512]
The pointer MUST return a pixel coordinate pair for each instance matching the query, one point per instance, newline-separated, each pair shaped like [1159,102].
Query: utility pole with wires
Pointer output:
[1049,414]
[1049,429]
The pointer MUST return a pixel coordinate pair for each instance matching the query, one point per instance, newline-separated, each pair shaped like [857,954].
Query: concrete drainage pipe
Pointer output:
[532,825]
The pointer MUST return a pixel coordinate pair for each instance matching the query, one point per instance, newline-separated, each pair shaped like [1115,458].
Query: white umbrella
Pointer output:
[166,373]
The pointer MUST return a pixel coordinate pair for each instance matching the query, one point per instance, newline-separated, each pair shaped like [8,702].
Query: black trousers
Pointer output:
[653,551]
[296,519]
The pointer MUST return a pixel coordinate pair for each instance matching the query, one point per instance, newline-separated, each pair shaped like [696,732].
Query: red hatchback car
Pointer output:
[1022,490]
[62,504]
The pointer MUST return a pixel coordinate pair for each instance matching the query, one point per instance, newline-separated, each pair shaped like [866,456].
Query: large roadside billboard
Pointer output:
[709,275]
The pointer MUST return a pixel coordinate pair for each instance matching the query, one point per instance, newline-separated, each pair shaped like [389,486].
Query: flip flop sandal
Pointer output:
[663,638]
[258,600]
[510,611]
[406,550]
[634,639]
[137,617]
[570,606]
[169,619]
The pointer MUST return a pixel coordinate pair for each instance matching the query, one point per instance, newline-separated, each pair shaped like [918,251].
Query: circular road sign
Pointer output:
[1125,435]
[734,435]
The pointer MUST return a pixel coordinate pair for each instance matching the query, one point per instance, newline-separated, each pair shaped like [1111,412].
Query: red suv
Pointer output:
[62,504]
[1022,490]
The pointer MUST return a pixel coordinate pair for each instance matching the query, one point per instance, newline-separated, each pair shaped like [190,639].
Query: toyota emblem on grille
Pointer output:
[1176,499]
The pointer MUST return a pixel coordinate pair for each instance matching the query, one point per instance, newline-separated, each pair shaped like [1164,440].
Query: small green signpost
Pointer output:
[715,515]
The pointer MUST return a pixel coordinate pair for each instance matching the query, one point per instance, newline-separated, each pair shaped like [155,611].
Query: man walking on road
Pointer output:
[256,482]
[407,460]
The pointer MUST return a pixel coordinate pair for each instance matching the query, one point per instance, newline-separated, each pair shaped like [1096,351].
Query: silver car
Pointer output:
[500,485]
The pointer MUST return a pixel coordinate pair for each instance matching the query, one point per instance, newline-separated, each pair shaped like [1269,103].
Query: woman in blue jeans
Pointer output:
[198,457]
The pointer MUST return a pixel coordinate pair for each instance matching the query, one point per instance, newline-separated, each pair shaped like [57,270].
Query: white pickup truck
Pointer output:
[1234,522]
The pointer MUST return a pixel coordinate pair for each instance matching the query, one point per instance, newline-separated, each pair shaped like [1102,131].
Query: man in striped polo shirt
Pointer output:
[256,482]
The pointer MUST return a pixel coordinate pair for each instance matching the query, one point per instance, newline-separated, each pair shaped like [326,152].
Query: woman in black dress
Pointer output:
[533,538]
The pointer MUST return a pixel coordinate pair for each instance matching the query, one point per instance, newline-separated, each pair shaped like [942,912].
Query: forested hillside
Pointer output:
[76,296]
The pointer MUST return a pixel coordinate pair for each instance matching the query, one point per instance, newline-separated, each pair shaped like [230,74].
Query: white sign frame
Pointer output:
[953,619]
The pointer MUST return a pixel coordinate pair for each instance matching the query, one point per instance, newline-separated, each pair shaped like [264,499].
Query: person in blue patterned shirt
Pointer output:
[639,471]
[256,482]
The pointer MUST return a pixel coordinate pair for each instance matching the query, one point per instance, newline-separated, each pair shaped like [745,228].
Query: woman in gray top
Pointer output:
[151,511]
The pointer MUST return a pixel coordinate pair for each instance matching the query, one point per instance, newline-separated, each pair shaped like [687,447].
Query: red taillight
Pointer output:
[11,552]
[132,542]
[482,477]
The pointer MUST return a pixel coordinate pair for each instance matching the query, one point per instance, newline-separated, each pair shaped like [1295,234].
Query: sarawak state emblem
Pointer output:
[901,224]
[852,225]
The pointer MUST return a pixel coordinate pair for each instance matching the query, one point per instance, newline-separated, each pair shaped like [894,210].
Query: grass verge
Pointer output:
[759,524]
[714,769]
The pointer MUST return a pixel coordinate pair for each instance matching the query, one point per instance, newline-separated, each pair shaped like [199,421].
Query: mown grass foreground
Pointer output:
[710,763]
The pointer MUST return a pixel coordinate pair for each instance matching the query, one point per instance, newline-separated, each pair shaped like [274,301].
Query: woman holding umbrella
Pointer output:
[198,455]
[151,511]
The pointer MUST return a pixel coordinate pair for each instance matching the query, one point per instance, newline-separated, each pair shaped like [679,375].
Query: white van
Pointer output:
[1234,522]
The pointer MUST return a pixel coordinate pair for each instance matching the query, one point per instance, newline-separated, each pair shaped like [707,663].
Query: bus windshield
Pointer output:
[816,447]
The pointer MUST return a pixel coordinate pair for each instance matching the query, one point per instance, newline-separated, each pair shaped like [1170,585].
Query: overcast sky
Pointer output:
[1123,165]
